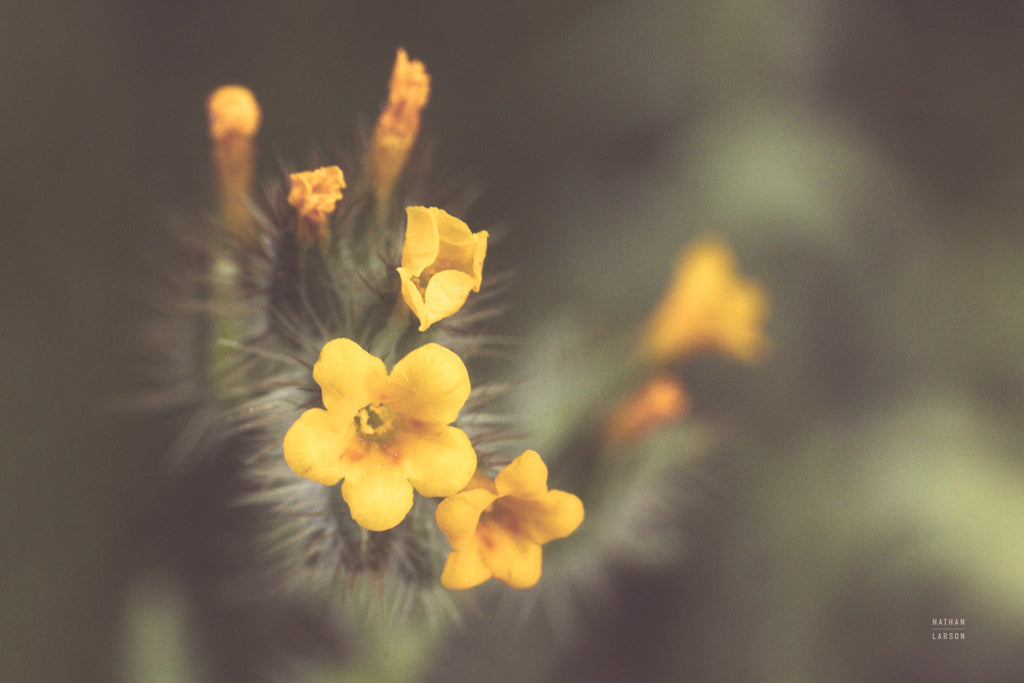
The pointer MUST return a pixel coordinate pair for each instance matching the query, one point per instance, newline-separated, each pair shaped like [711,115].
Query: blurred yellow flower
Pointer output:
[234,118]
[496,528]
[661,401]
[708,307]
[314,194]
[384,434]
[399,123]
[442,262]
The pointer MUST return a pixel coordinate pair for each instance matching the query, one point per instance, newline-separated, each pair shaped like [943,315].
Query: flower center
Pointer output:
[501,513]
[375,422]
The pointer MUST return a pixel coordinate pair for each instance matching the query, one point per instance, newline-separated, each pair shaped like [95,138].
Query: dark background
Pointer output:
[864,158]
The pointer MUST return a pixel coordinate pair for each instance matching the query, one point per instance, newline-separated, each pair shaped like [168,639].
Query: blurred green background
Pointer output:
[865,159]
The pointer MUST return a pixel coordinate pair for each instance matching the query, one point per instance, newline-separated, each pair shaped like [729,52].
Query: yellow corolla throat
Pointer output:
[376,422]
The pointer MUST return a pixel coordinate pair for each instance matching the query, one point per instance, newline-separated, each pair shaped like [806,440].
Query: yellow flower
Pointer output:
[496,528]
[234,118]
[384,434]
[314,194]
[442,262]
[399,124]
[708,307]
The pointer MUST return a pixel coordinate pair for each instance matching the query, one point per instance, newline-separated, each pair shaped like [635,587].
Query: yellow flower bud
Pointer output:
[398,125]
[232,110]
[234,118]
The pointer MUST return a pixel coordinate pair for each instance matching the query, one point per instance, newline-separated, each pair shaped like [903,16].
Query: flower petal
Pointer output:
[437,463]
[479,254]
[465,569]
[450,229]
[457,516]
[430,384]
[413,297]
[348,376]
[421,238]
[314,445]
[444,295]
[377,493]
[524,477]
[514,559]
[556,514]
[461,249]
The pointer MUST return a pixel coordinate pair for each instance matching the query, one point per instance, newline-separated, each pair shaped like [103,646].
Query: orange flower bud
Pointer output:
[234,119]
[314,195]
[398,126]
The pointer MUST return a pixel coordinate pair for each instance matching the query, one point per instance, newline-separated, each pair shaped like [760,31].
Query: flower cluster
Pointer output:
[389,435]
[355,354]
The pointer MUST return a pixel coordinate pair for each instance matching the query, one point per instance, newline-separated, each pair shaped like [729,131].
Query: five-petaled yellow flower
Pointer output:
[384,434]
[708,306]
[314,195]
[496,528]
[442,262]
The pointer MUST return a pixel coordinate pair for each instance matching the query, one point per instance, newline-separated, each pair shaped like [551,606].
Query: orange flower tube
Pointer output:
[398,126]
[234,119]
